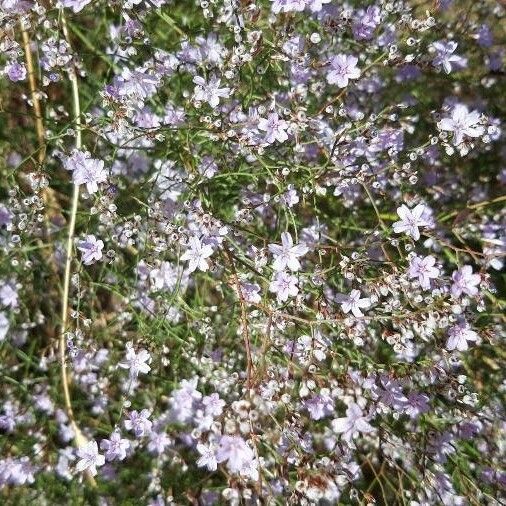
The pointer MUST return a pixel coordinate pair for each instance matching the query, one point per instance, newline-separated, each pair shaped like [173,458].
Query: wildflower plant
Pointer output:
[252,252]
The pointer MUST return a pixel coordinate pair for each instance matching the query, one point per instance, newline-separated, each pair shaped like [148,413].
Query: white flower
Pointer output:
[90,458]
[284,285]
[287,254]
[411,219]
[353,423]
[136,362]
[343,68]
[424,270]
[197,254]
[207,456]
[354,303]
[462,123]
[4,326]
[458,335]
[209,92]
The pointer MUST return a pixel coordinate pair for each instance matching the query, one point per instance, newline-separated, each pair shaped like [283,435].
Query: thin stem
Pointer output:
[79,438]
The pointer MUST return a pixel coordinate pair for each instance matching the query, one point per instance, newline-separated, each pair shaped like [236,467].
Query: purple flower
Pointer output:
[8,294]
[284,285]
[343,68]
[139,422]
[445,58]
[5,216]
[458,335]
[15,71]
[320,406]
[366,22]
[274,128]
[115,447]
[209,92]
[235,451]
[213,405]
[86,170]
[137,84]
[288,6]
[464,281]
[158,442]
[207,456]
[91,249]
[423,269]
[90,458]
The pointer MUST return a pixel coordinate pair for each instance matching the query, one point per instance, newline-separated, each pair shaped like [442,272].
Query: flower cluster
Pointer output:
[252,252]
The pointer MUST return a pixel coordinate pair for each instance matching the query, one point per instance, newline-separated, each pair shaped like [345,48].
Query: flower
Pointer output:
[90,458]
[353,423]
[464,281]
[458,335]
[445,57]
[274,128]
[320,406]
[139,422]
[137,84]
[284,285]
[136,362]
[197,254]
[354,303]
[75,5]
[343,68]
[8,294]
[115,447]
[207,456]
[288,6]
[209,92]
[410,220]
[287,254]
[86,170]
[423,269]
[235,451]
[91,248]
[462,123]
[15,71]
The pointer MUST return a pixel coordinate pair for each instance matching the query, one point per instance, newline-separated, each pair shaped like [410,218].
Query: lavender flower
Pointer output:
[209,92]
[15,71]
[274,128]
[423,269]
[115,447]
[91,249]
[284,285]
[464,281]
[411,220]
[287,255]
[342,69]
[90,458]
[139,423]
[459,335]
[86,170]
